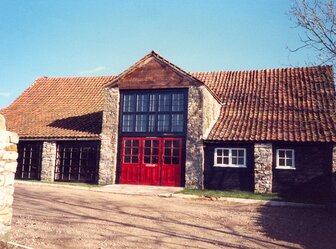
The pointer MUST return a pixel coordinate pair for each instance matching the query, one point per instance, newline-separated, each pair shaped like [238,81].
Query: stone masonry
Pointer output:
[109,137]
[8,163]
[200,120]
[48,161]
[263,168]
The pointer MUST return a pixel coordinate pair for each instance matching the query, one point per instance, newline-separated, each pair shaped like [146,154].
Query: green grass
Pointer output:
[234,194]
[292,197]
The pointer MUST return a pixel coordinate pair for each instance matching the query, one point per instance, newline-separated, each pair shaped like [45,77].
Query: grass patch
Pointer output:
[234,194]
[297,197]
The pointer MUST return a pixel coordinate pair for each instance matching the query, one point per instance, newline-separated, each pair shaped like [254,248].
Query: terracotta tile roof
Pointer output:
[292,104]
[58,107]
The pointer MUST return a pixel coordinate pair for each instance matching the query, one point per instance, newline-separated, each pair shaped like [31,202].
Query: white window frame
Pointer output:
[229,165]
[278,166]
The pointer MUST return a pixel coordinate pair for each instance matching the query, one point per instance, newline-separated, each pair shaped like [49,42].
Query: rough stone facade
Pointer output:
[200,120]
[109,137]
[263,168]
[8,164]
[48,161]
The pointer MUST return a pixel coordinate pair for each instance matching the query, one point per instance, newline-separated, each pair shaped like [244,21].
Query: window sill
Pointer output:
[283,167]
[230,166]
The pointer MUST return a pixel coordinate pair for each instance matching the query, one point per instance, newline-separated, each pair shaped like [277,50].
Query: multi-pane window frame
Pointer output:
[279,158]
[157,117]
[230,157]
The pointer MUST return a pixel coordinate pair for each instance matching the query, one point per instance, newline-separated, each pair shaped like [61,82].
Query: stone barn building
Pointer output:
[156,124]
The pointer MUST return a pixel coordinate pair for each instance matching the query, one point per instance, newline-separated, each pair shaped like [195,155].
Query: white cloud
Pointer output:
[94,70]
[5,94]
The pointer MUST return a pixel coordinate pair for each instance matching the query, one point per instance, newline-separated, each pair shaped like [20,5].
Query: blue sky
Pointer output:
[104,37]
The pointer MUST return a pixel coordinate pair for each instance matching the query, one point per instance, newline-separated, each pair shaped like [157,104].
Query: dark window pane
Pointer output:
[177,122]
[147,143]
[167,143]
[167,152]
[234,153]
[289,162]
[226,160]
[128,123]
[282,162]
[129,103]
[241,153]
[226,152]
[219,160]
[167,160]
[141,123]
[128,143]
[127,151]
[155,143]
[164,102]
[175,160]
[135,143]
[281,153]
[289,154]
[177,102]
[155,151]
[147,151]
[147,159]
[127,159]
[152,102]
[241,161]
[176,152]
[219,152]
[163,122]
[155,159]
[234,161]
[151,123]
[135,151]
[142,103]
[176,143]
[134,159]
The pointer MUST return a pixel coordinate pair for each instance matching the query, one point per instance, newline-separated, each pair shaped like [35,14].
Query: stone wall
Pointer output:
[109,137]
[8,156]
[263,168]
[200,121]
[48,161]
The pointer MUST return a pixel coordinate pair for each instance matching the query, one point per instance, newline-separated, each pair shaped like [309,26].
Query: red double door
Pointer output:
[151,161]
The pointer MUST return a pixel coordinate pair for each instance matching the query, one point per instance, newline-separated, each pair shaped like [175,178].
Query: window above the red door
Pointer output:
[153,111]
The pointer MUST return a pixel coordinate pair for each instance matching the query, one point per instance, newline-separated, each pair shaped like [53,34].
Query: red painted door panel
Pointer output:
[151,161]
[171,162]
[150,167]
[130,161]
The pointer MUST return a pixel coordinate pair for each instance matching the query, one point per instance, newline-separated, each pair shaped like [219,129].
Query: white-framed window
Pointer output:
[285,159]
[230,157]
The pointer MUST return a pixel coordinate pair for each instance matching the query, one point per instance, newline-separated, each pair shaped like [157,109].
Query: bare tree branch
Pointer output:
[318,19]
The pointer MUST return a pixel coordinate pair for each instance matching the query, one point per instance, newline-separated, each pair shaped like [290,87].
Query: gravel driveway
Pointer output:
[50,217]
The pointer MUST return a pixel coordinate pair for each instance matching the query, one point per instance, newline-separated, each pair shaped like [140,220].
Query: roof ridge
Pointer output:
[158,57]
[266,69]
[76,77]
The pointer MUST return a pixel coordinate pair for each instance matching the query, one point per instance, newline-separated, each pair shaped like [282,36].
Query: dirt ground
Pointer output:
[49,217]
